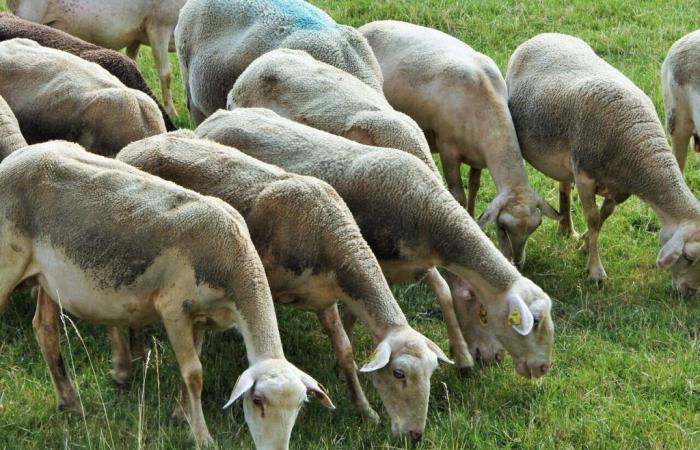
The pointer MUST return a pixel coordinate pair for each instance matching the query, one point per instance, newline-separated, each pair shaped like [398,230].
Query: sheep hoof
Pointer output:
[178,415]
[597,274]
[72,407]
[567,230]
[121,378]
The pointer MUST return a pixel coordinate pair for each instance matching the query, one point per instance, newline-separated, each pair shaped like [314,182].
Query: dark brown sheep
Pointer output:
[114,62]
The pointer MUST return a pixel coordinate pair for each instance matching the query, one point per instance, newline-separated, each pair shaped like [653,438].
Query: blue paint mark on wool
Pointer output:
[305,15]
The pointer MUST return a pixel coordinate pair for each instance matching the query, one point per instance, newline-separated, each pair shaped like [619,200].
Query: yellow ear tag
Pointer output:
[482,316]
[514,317]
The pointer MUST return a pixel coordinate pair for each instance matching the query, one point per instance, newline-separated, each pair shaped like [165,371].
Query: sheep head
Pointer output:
[680,252]
[273,392]
[401,367]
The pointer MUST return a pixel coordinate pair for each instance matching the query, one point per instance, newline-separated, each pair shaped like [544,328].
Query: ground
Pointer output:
[626,368]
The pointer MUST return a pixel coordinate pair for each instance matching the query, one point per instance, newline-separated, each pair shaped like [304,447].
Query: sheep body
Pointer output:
[11,138]
[125,69]
[56,95]
[312,250]
[216,40]
[458,97]
[579,119]
[680,82]
[408,218]
[296,86]
[119,247]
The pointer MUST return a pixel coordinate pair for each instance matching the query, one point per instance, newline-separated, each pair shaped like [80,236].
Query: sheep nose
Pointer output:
[415,436]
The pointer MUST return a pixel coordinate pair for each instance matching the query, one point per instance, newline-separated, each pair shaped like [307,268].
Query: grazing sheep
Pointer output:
[296,86]
[579,119]
[217,40]
[459,98]
[113,24]
[125,69]
[11,138]
[314,255]
[409,219]
[680,80]
[56,95]
[119,247]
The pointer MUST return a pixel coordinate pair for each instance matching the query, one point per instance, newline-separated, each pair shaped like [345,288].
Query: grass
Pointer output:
[627,355]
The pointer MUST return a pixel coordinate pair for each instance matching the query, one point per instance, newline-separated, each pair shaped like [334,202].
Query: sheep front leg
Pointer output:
[453,176]
[586,191]
[566,227]
[132,50]
[182,338]
[121,358]
[330,319]
[182,404]
[159,38]
[458,346]
[45,324]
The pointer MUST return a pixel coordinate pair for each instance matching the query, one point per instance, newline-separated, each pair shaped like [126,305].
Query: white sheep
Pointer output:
[115,25]
[119,247]
[297,86]
[313,253]
[579,119]
[680,81]
[217,40]
[11,138]
[459,98]
[409,219]
[56,95]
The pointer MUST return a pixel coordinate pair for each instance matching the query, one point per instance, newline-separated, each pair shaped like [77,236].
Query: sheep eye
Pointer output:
[398,373]
[257,400]
[686,257]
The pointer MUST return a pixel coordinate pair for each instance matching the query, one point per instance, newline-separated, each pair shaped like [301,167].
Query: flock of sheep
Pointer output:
[314,185]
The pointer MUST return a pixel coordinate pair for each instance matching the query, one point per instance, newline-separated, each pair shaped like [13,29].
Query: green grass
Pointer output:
[627,355]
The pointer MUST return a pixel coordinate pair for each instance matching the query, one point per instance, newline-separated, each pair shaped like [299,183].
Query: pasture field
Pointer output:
[626,370]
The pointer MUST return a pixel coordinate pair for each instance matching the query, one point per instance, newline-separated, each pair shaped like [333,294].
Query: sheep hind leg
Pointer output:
[159,38]
[45,324]
[474,184]
[458,346]
[566,226]
[132,50]
[586,190]
[330,319]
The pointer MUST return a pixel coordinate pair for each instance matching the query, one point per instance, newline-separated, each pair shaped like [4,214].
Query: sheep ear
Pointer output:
[380,358]
[671,251]
[244,384]
[438,352]
[519,315]
[491,213]
[359,134]
[547,209]
[316,389]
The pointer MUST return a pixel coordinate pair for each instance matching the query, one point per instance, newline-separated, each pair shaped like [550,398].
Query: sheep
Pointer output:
[458,97]
[313,254]
[125,69]
[296,86]
[56,95]
[115,25]
[680,82]
[119,247]
[579,119]
[216,41]
[11,138]
[408,218]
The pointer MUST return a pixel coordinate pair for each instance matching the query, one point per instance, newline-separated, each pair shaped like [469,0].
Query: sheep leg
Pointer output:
[330,319]
[159,38]
[121,358]
[137,343]
[183,339]
[566,227]
[453,176]
[132,50]
[45,324]
[474,183]
[483,344]
[586,191]
[182,403]
[458,346]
